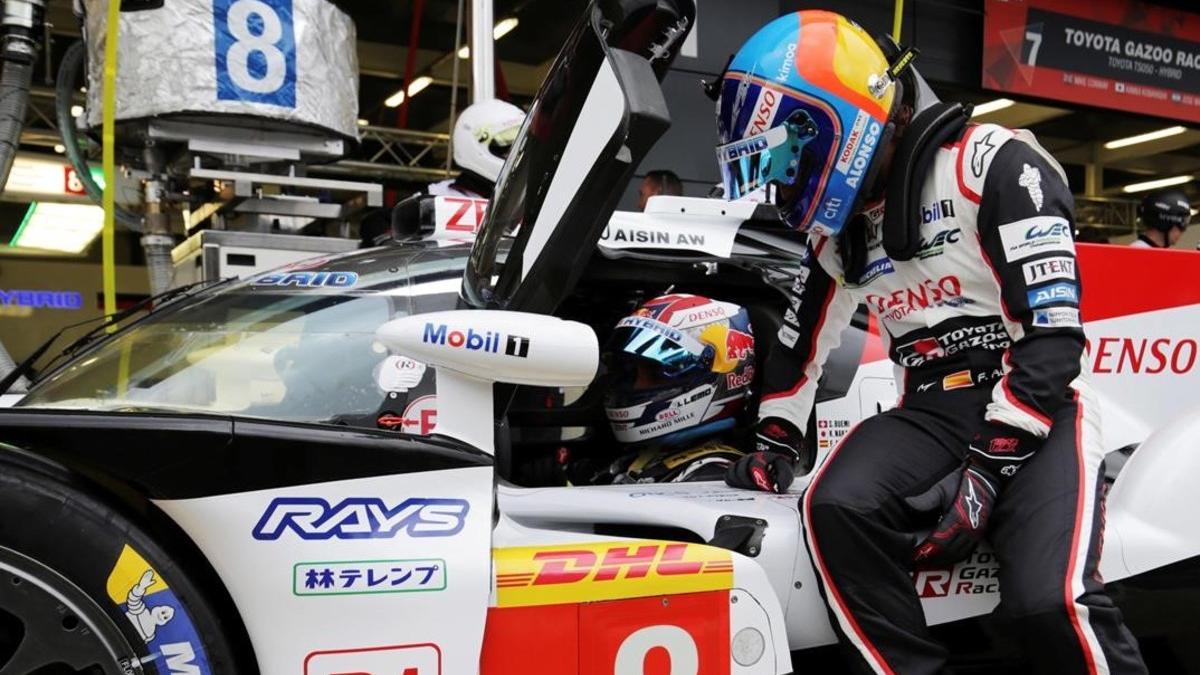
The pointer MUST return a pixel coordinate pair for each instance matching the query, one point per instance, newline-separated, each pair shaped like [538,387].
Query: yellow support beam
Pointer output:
[108,139]
[898,20]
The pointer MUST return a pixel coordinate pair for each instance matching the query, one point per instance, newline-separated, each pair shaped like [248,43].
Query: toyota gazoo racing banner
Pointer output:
[1121,54]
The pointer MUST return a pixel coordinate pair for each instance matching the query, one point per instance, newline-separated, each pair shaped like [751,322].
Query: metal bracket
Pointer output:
[740,534]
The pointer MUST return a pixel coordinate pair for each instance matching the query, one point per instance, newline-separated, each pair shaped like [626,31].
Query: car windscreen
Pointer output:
[294,344]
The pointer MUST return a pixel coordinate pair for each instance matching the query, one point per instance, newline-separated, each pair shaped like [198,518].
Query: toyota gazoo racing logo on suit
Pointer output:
[987,336]
[314,518]
[487,341]
[944,292]
[1031,236]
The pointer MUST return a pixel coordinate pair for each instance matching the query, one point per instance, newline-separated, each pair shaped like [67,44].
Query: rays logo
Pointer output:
[313,518]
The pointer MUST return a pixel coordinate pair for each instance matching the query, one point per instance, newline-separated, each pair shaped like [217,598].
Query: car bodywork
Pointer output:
[345,547]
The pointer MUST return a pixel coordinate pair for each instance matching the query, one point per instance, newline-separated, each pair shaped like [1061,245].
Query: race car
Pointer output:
[333,467]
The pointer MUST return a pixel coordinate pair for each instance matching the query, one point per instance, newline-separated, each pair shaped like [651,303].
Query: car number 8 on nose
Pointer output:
[255,51]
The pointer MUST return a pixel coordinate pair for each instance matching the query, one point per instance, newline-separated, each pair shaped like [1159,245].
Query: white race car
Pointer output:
[333,467]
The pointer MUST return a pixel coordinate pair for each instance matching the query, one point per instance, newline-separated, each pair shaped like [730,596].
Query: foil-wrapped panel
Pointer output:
[289,61]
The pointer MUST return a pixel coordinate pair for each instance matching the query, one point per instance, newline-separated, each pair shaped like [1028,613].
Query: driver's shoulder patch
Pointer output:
[977,149]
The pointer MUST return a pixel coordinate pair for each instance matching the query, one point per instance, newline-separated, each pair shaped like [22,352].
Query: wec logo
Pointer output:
[1060,229]
[313,518]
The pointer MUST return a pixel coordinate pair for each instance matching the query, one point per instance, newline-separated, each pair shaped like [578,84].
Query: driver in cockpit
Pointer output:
[680,376]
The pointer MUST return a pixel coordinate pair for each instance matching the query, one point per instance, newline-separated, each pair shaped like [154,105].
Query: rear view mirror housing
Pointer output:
[472,349]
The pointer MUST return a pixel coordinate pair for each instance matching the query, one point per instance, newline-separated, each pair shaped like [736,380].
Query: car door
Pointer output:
[597,114]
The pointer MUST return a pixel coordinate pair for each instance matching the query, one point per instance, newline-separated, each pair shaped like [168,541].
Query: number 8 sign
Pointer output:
[255,51]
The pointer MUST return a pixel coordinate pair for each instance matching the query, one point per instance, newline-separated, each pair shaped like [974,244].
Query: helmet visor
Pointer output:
[751,163]
[673,352]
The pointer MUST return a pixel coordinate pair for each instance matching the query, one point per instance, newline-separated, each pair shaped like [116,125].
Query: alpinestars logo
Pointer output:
[974,506]
[1031,180]
[980,150]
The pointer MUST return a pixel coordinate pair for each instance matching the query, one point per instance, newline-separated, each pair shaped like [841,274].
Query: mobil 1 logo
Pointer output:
[255,51]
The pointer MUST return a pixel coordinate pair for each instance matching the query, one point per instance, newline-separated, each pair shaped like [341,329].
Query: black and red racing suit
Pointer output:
[983,326]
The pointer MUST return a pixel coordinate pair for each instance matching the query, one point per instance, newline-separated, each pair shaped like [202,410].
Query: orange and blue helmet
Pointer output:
[804,107]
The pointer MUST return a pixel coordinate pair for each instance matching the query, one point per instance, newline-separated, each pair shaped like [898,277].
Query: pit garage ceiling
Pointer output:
[1075,135]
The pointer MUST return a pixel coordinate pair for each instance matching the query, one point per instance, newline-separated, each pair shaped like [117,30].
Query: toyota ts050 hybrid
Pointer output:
[351,465]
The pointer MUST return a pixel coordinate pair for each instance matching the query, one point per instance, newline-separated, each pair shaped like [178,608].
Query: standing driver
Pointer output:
[970,271]
[1164,217]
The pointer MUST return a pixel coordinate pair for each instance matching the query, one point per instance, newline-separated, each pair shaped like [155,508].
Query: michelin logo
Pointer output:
[314,519]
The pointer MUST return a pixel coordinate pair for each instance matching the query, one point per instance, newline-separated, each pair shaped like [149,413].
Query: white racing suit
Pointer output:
[983,326]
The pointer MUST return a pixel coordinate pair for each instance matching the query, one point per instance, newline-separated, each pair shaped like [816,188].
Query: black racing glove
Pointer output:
[965,498]
[771,467]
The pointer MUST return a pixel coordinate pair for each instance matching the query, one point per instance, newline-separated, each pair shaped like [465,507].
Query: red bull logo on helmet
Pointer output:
[738,345]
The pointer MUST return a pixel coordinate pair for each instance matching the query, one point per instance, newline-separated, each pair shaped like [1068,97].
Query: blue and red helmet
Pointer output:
[681,366]
[804,108]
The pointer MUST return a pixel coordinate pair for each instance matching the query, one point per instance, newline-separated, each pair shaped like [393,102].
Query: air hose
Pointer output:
[66,84]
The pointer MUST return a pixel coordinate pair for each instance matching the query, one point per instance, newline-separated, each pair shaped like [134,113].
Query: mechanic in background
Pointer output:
[1164,217]
[680,371]
[483,135]
[658,182]
[970,270]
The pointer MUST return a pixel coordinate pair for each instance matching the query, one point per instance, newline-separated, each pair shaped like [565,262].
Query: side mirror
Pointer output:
[472,349]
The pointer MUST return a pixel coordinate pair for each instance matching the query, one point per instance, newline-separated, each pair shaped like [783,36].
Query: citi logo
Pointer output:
[937,211]
[440,334]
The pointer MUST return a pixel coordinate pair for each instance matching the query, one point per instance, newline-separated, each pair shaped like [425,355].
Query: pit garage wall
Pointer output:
[948,33]
[28,316]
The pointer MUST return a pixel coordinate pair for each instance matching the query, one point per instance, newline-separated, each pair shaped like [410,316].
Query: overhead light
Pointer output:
[1144,138]
[1160,183]
[76,110]
[992,106]
[417,86]
[60,148]
[502,28]
[362,122]
[49,226]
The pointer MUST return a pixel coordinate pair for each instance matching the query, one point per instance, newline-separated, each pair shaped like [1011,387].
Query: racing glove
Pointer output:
[966,496]
[771,467]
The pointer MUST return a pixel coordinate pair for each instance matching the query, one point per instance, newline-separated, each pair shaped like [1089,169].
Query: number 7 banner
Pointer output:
[1121,54]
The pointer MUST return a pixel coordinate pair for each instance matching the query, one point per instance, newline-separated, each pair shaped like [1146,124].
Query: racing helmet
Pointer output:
[680,366]
[1165,210]
[806,106]
[483,134]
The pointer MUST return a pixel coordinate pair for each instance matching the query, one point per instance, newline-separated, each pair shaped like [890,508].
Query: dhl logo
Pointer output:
[587,572]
